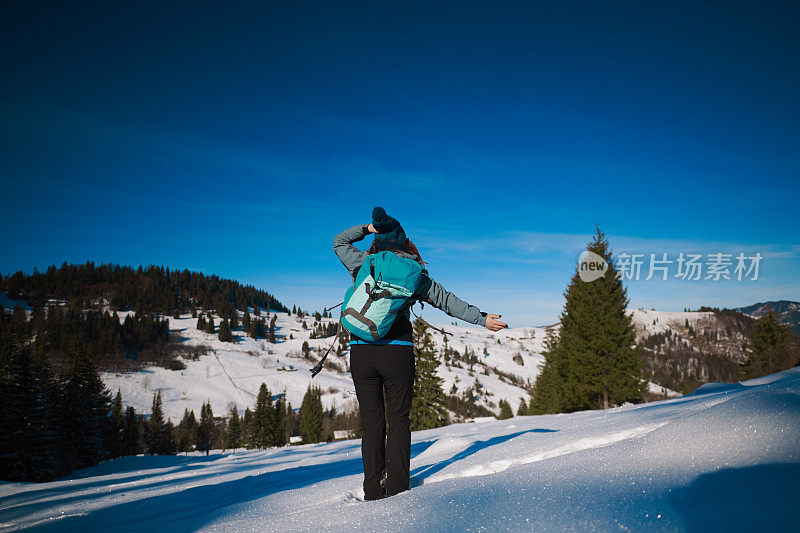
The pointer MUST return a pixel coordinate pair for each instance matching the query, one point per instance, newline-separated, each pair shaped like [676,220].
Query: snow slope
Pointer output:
[725,458]
[231,373]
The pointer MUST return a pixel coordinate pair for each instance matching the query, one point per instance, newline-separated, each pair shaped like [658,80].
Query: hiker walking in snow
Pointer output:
[389,277]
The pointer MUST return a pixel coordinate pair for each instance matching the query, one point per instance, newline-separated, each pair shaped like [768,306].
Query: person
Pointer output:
[385,368]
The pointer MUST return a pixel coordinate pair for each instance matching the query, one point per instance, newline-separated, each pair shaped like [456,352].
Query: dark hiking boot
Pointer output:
[381,492]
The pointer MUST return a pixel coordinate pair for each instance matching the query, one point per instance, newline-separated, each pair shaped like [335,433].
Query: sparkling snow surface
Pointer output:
[726,459]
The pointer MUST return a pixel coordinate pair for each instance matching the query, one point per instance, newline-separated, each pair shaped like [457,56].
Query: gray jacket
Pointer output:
[428,291]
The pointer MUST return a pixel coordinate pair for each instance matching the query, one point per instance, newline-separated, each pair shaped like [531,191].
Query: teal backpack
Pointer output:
[383,286]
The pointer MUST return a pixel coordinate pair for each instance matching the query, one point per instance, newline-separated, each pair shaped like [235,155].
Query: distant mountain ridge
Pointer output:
[788,312]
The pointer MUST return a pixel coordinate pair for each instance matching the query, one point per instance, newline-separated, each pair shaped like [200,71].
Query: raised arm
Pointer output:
[350,256]
[433,293]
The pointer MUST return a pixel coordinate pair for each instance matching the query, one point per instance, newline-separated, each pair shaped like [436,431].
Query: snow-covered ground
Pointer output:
[724,459]
[231,373]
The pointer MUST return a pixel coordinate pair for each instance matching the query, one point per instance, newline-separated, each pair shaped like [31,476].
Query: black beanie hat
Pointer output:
[390,234]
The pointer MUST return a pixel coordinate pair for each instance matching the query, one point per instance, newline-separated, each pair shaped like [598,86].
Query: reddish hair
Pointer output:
[408,246]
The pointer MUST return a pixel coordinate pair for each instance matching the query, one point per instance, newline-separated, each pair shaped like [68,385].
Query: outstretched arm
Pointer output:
[432,292]
[350,256]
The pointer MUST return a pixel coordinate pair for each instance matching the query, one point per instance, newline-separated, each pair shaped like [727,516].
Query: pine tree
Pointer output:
[225,332]
[83,411]
[261,429]
[246,321]
[159,434]
[187,431]
[205,429]
[210,326]
[427,404]
[522,410]
[279,437]
[132,433]
[549,392]
[289,422]
[28,442]
[772,347]
[311,415]
[247,427]
[505,410]
[118,423]
[201,323]
[233,433]
[234,319]
[594,362]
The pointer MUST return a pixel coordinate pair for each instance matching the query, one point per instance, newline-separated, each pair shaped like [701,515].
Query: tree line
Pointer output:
[112,344]
[152,289]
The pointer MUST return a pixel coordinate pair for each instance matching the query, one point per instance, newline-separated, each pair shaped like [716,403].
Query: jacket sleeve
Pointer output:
[433,293]
[350,256]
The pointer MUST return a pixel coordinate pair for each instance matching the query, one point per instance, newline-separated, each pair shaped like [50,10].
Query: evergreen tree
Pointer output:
[132,433]
[549,392]
[594,363]
[28,443]
[187,431]
[159,435]
[225,332]
[246,321]
[279,437]
[262,425]
[427,405]
[201,323]
[289,422]
[210,326]
[311,415]
[772,347]
[247,428]
[505,410]
[205,429]
[84,412]
[272,331]
[233,433]
[522,410]
[118,423]
[234,319]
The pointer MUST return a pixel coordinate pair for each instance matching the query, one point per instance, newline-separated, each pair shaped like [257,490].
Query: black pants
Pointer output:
[379,369]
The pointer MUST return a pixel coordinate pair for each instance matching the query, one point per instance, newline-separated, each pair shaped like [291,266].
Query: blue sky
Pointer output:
[239,140]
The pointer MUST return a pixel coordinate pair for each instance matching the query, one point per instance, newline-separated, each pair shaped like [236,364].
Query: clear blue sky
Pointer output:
[239,140]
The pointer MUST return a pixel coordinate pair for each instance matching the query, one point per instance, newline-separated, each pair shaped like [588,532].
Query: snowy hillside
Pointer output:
[491,366]
[231,373]
[725,459]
